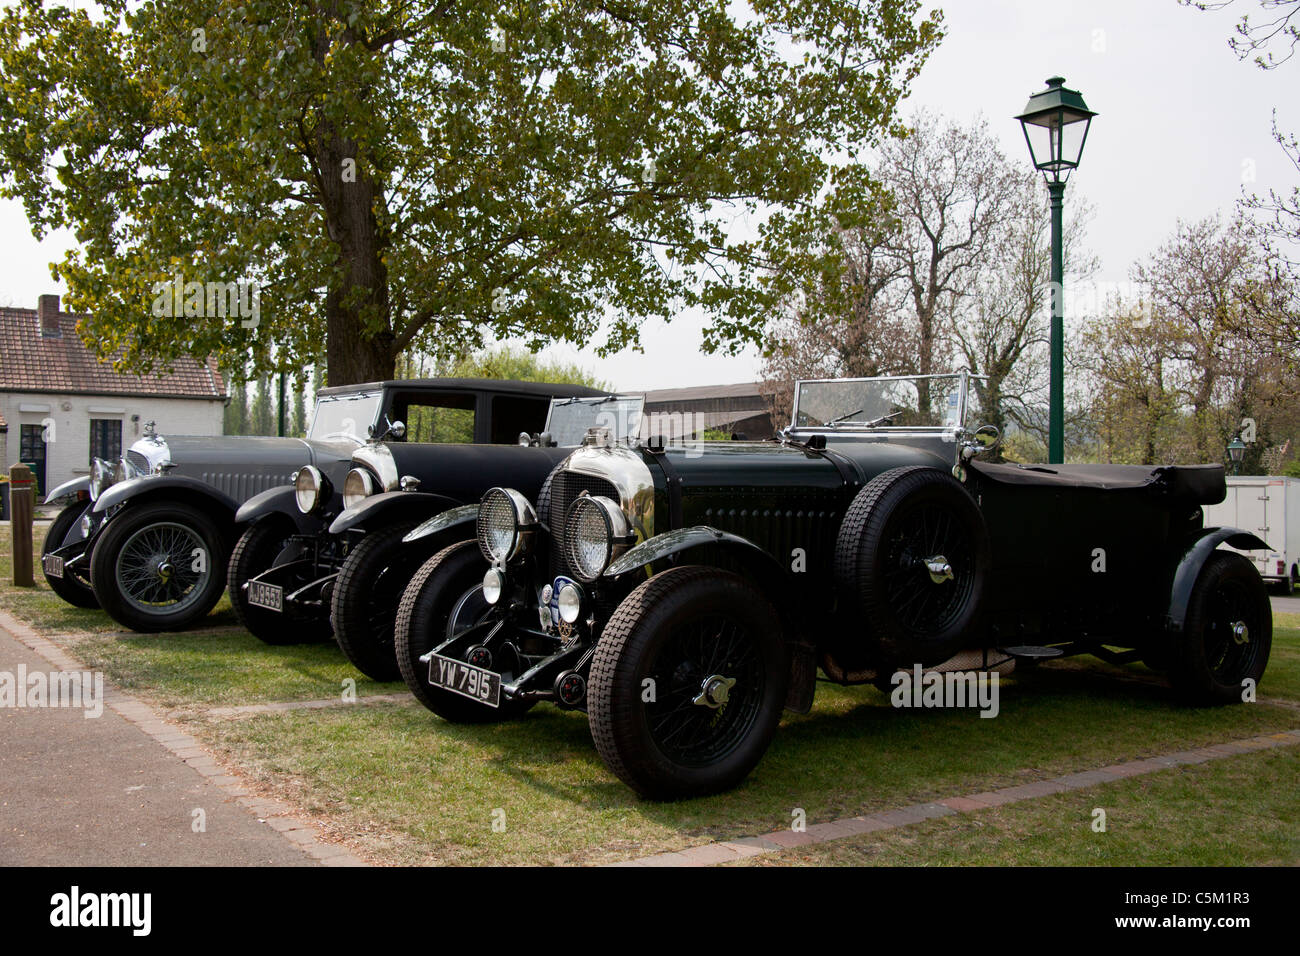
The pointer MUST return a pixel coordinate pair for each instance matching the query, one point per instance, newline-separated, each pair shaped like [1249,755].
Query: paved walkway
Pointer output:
[123,788]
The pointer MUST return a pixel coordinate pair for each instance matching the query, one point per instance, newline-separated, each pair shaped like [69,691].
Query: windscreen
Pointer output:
[921,402]
[570,418]
[339,417]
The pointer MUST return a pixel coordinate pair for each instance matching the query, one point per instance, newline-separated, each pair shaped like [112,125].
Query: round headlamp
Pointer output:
[569,602]
[311,489]
[494,583]
[101,477]
[357,487]
[506,524]
[595,532]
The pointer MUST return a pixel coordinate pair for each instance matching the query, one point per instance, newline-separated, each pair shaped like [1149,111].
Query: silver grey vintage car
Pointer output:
[148,538]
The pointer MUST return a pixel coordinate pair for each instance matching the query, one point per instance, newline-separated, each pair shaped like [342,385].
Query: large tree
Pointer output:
[954,272]
[1269,37]
[395,175]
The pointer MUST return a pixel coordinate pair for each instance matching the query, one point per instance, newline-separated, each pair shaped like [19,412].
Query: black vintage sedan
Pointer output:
[684,596]
[149,537]
[352,575]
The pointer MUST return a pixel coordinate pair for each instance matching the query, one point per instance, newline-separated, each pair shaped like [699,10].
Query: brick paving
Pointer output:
[737,849]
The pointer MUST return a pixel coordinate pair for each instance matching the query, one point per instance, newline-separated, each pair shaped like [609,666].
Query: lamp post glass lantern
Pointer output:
[1056,123]
[1236,451]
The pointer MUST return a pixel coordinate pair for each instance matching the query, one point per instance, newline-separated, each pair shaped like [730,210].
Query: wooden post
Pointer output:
[20,522]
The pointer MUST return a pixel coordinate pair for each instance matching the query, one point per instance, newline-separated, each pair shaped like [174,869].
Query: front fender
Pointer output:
[452,518]
[754,559]
[390,507]
[279,501]
[76,488]
[132,488]
[1193,559]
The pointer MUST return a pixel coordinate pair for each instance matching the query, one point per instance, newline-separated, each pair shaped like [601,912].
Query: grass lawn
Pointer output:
[1228,812]
[403,786]
[410,788]
[215,663]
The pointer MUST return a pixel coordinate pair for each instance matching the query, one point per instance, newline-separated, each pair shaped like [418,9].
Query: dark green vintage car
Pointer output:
[684,595]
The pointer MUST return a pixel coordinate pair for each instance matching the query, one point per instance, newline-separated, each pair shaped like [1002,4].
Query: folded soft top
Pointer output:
[1186,484]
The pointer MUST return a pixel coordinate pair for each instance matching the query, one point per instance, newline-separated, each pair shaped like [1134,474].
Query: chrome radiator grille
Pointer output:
[566,486]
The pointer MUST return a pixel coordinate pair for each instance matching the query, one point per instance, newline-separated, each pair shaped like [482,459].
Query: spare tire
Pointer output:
[911,562]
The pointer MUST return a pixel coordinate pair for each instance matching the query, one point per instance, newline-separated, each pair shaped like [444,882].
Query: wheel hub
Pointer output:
[939,568]
[715,691]
[163,569]
[1240,632]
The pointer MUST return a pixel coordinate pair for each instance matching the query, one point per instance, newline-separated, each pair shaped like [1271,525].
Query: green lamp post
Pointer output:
[1236,451]
[1056,123]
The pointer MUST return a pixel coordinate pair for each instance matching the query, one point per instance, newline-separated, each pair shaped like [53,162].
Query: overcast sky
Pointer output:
[1182,125]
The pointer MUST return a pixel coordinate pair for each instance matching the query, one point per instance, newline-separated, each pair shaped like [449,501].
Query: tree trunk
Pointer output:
[360,296]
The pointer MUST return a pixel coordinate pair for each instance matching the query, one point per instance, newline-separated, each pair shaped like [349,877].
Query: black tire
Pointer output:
[126,560]
[423,619]
[898,518]
[256,552]
[69,587]
[1209,663]
[366,595]
[661,632]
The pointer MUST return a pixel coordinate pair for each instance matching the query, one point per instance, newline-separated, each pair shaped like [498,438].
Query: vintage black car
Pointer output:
[152,545]
[333,542]
[379,566]
[683,597]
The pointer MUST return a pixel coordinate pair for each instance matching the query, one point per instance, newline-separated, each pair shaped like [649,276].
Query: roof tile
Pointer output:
[31,362]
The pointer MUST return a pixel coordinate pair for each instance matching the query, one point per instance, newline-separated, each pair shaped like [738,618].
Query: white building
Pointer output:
[60,406]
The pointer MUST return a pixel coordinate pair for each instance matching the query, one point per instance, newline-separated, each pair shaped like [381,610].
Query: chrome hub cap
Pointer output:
[1240,632]
[939,568]
[714,691]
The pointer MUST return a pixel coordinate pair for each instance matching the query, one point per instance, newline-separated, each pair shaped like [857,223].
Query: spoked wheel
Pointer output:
[711,682]
[444,598]
[1227,633]
[922,546]
[159,566]
[687,683]
[911,560]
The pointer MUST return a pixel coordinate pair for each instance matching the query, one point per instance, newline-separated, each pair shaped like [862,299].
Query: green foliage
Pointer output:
[399,176]
[509,362]
[1292,469]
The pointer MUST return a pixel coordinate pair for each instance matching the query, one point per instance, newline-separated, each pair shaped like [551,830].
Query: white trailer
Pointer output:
[1268,506]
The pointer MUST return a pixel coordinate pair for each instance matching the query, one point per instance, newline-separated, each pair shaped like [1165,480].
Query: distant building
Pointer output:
[60,406]
[688,412]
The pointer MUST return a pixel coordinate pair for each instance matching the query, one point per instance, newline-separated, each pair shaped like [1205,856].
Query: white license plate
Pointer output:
[269,596]
[53,565]
[467,680]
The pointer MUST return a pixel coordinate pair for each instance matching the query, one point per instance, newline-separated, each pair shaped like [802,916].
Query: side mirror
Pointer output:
[983,439]
[397,430]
